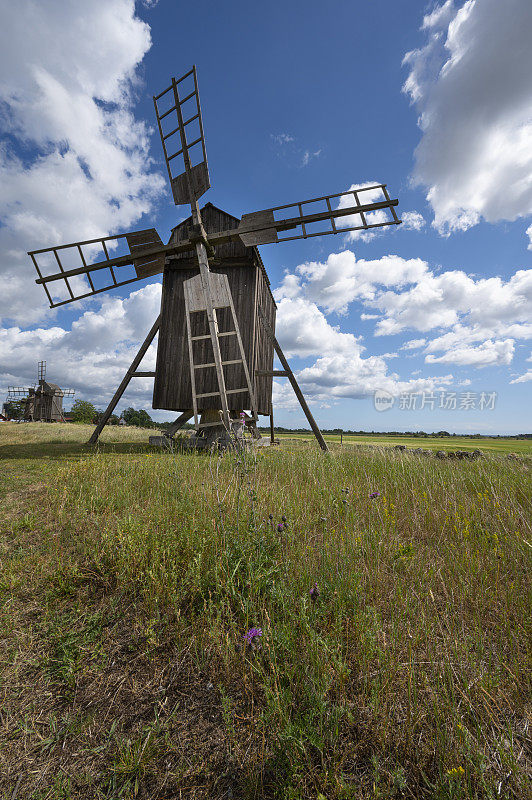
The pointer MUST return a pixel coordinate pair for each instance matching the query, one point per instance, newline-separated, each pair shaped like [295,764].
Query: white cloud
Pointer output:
[484,313]
[80,165]
[282,138]
[335,283]
[303,330]
[308,156]
[92,355]
[488,353]
[491,305]
[441,15]
[471,85]
[341,369]
[413,344]
[344,376]
[412,220]
[523,378]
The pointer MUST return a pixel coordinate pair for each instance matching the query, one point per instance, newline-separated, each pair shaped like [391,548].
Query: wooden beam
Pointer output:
[143,374]
[125,381]
[295,385]
[179,422]
[271,373]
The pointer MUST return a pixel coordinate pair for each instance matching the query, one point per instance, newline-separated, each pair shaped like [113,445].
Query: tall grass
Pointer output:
[409,674]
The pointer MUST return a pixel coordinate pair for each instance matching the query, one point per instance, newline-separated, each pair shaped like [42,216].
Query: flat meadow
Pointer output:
[280,623]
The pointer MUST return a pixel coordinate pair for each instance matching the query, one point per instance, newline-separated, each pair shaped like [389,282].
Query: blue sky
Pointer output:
[298,100]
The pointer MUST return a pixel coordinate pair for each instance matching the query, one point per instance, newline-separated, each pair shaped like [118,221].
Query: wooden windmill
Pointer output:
[217,323]
[43,401]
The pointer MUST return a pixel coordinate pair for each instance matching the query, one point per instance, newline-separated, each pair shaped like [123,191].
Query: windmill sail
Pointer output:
[182,137]
[144,256]
[358,209]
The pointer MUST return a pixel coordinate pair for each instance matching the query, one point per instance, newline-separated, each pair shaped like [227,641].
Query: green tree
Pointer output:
[15,409]
[141,419]
[83,411]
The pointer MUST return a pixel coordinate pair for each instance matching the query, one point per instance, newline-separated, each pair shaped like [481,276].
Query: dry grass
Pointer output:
[21,434]
[129,580]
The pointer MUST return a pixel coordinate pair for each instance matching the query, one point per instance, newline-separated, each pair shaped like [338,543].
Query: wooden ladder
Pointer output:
[208,292]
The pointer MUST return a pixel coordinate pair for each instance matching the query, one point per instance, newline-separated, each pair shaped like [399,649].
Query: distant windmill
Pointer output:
[43,401]
[216,328]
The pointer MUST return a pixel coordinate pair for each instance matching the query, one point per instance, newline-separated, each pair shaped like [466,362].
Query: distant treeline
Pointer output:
[415,434]
[83,411]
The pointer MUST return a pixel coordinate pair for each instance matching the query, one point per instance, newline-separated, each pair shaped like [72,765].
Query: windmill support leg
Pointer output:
[295,386]
[127,377]
[272,427]
[179,422]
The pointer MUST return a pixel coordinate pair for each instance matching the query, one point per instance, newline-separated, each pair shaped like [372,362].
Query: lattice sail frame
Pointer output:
[138,242]
[375,211]
[194,175]
[358,209]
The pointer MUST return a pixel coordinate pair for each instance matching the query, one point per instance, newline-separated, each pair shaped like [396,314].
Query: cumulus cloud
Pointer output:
[491,305]
[470,83]
[476,319]
[342,370]
[523,378]
[74,162]
[488,353]
[304,330]
[412,220]
[93,354]
[342,278]
[413,344]
[529,234]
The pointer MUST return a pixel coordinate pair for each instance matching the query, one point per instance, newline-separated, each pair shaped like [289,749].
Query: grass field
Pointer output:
[487,445]
[394,655]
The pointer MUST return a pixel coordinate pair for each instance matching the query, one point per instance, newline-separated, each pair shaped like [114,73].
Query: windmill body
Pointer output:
[250,289]
[217,323]
[43,401]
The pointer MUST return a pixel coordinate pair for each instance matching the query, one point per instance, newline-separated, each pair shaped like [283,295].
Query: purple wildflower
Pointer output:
[283,518]
[251,635]
[373,495]
[314,592]
[280,527]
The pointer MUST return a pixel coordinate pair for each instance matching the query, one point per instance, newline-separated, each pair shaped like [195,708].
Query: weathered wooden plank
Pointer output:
[220,294]
[246,278]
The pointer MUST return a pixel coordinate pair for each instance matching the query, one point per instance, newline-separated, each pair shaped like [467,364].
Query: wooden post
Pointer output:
[201,253]
[341,436]
[291,377]
[179,422]
[272,429]
[127,377]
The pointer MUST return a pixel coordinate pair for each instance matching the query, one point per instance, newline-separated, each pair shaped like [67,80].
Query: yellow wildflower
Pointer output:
[455,771]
